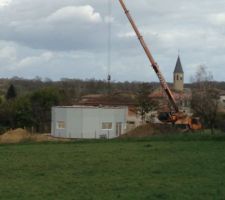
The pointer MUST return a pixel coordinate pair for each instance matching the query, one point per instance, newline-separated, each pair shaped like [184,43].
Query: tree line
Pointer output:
[31,110]
[27,103]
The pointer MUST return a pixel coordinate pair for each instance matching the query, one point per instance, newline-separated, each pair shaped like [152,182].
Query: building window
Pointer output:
[61,125]
[106,125]
[181,78]
[177,77]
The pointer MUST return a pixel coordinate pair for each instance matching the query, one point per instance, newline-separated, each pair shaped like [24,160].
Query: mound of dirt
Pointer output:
[149,130]
[21,135]
[15,136]
[141,131]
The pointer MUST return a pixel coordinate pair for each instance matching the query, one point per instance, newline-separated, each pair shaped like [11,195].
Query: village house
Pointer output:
[222,101]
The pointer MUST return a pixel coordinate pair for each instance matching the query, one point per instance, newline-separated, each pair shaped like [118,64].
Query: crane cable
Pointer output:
[109,40]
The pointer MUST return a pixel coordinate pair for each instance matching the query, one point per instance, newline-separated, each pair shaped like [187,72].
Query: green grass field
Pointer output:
[118,169]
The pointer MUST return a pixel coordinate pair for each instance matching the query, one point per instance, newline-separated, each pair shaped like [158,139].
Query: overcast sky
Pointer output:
[68,39]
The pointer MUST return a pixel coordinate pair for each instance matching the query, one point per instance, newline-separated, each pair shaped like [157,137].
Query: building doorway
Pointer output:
[118,129]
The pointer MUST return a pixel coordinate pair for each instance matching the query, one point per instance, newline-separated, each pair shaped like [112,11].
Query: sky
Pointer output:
[69,39]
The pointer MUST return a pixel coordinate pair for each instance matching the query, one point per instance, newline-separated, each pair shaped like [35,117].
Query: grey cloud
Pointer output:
[57,28]
[70,27]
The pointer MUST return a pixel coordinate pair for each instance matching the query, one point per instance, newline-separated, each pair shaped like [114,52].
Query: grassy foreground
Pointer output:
[120,169]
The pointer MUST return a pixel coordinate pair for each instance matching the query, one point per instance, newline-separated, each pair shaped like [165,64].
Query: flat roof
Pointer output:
[92,107]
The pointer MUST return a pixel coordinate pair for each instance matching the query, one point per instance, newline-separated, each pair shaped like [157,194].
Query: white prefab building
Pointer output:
[88,122]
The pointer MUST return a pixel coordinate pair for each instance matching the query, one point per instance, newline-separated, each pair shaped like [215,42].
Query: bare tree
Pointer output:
[205,98]
[145,104]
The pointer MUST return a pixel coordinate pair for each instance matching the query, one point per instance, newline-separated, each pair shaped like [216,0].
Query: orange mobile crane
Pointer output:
[175,116]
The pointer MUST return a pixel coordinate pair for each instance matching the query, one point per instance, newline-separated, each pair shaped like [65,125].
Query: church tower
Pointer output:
[178,77]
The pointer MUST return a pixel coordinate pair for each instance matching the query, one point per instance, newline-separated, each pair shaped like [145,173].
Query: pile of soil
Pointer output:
[141,131]
[15,136]
[149,130]
[21,135]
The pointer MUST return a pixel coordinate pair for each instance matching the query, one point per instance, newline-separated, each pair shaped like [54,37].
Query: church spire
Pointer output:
[178,75]
[178,67]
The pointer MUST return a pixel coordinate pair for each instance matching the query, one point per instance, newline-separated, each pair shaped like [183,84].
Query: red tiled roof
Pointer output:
[158,94]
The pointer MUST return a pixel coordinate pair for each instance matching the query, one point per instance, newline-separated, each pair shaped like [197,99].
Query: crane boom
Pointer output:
[151,59]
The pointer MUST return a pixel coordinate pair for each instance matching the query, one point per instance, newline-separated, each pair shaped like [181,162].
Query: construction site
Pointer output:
[114,113]
[173,104]
[95,103]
